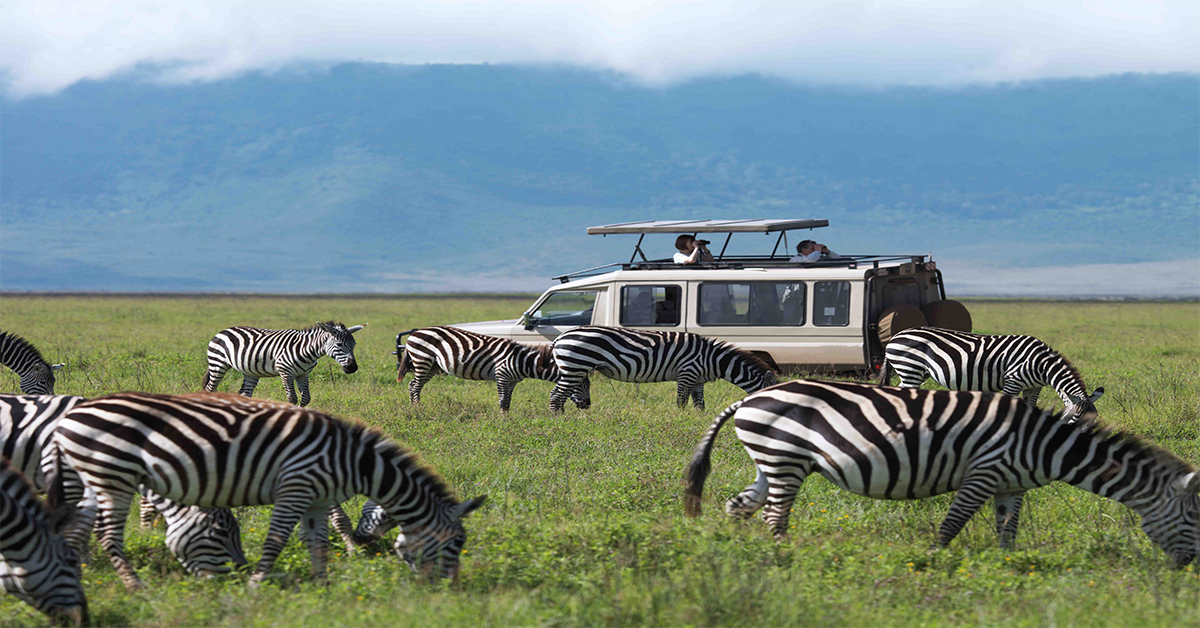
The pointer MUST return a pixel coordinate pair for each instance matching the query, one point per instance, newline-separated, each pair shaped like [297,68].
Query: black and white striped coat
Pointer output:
[203,540]
[37,375]
[36,564]
[221,451]
[1014,365]
[631,355]
[903,443]
[289,354]
[469,355]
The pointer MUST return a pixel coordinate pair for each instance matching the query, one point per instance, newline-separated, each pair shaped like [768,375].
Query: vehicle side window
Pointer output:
[752,304]
[646,306]
[566,309]
[831,303]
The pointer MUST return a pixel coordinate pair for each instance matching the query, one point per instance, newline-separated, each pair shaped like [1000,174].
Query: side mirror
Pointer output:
[528,321]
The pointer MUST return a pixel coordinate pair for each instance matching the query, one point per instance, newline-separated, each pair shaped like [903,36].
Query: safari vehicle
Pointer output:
[832,315]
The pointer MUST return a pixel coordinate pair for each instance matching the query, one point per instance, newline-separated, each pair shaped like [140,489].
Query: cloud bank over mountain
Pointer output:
[47,46]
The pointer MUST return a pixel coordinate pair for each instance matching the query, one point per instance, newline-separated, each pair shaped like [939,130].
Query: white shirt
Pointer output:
[815,256]
[684,258]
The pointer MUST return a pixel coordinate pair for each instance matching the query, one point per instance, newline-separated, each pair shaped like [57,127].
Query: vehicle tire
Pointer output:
[947,315]
[898,318]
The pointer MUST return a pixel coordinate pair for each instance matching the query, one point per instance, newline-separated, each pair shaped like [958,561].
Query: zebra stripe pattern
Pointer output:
[37,375]
[903,443]
[202,539]
[632,355]
[289,354]
[1014,365]
[372,524]
[221,451]
[36,565]
[469,355]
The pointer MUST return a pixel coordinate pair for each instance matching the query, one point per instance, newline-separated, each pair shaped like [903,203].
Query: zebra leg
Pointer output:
[315,523]
[147,513]
[748,501]
[1008,511]
[1030,395]
[289,387]
[683,389]
[504,387]
[698,396]
[249,382]
[216,372]
[345,529]
[566,387]
[976,488]
[420,378]
[110,528]
[302,384]
[582,395]
[285,514]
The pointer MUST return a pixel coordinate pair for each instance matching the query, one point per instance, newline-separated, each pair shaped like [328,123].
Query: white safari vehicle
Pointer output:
[832,315]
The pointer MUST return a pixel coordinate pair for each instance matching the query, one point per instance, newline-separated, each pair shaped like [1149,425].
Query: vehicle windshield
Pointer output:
[566,308]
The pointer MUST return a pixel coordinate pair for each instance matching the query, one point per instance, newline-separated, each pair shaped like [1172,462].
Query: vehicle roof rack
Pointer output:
[751,225]
[738,262]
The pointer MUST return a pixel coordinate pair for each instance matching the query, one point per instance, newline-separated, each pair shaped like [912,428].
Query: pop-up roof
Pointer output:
[753,225]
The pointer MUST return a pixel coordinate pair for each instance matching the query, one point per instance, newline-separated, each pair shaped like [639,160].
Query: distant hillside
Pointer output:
[431,178]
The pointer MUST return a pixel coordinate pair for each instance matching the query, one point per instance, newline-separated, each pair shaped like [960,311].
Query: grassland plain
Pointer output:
[584,521]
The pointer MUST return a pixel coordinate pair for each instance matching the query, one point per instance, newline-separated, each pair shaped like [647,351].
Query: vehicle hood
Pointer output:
[502,328]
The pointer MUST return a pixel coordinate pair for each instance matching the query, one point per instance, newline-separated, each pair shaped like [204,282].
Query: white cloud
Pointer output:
[46,45]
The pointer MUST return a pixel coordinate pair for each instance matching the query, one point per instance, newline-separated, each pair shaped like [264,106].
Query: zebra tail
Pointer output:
[698,471]
[204,382]
[404,367]
[885,373]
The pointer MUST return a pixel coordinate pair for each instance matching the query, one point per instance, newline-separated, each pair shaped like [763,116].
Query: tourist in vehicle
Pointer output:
[691,250]
[810,251]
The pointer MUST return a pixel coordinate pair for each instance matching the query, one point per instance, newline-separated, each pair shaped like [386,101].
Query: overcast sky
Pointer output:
[46,45]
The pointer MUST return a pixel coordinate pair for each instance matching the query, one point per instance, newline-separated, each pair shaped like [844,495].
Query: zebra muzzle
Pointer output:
[350,368]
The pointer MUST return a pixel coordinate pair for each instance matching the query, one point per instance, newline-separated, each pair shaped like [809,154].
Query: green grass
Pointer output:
[584,521]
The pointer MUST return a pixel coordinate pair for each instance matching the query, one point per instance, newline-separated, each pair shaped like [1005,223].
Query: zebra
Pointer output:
[1015,365]
[903,443]
[222,450]
[633,355]
[37,565]
[289,354]
[373,523]
[469,355]
[37,375]
[203,540]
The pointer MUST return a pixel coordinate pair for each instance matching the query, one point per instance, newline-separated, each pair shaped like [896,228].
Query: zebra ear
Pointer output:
[56,367]
[466,507]
[356,328]
[1096,394]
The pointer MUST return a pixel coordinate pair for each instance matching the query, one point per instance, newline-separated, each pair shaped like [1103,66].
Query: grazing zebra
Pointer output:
[898,443]
[221,450]
[652,356]
[1014,365]
[37,375]
[202,539]
[289,354]
[372,524]
[36,564]
[469,355]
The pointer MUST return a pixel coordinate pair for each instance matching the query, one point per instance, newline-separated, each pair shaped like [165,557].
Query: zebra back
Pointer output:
[457,352]
[37,375]
[36,565]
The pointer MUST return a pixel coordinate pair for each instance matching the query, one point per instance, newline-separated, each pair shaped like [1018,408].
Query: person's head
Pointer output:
[685,243]
[806,246]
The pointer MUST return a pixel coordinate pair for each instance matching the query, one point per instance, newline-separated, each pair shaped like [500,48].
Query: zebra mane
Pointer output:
[373,438]
[22,345]
[1114,437]
[1062,359]
[317,326]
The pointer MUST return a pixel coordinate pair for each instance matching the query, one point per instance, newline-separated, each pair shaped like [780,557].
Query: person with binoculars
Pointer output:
[691,250]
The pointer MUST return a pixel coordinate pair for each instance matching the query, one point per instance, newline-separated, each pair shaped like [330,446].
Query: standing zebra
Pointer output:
[896,443]
[36,564]
[221,450]
[37,375]
[289,354]
[1014,365]
[633,355]
[469,355]
[203,540]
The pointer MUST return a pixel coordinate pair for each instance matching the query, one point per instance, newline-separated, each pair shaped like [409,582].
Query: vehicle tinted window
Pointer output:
[752,304]
[831,303]
[643,306]
[902,292]
[566,308]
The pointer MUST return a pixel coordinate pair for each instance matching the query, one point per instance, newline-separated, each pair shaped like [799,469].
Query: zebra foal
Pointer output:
[898,443]
[221,451]
[37,375]
[203,540]
[37,565]
[289,354]
[469,355]
[631,355]
[1014,365]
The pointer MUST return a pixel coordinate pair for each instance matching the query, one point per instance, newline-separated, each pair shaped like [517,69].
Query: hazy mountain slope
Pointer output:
[387,177]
